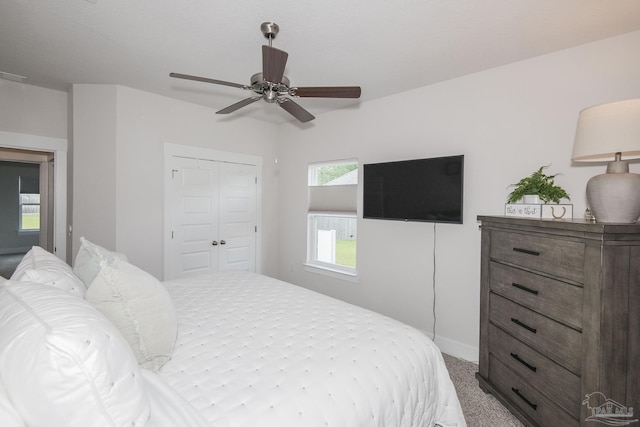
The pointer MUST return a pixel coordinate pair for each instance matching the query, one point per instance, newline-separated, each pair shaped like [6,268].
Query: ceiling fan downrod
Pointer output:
[270,30]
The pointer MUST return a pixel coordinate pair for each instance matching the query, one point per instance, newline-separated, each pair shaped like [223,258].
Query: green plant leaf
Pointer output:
[540,184]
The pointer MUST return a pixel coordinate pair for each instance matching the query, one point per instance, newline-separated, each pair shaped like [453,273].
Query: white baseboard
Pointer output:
[455,348]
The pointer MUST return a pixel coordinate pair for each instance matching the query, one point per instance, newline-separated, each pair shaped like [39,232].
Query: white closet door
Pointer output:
[212,217]
[238,196]
[193,200]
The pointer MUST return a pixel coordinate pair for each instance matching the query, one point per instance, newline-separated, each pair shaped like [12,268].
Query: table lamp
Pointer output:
[609,132]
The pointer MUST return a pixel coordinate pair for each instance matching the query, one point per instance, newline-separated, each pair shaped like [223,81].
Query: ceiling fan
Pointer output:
[273,86]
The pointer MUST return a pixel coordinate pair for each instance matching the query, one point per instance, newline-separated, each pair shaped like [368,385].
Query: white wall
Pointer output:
[122,141]
[32,110]
[94,195]
[507,122]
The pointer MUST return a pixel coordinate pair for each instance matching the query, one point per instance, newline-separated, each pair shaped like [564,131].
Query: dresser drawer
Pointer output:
[553,339]
[562,258]
[553,298]
[529,400]
[558,384]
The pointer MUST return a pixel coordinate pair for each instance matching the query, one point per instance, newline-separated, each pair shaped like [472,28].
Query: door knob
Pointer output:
[214,243]
[222,242]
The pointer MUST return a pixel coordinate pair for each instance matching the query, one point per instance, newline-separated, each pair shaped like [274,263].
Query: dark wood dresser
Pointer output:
[560,320]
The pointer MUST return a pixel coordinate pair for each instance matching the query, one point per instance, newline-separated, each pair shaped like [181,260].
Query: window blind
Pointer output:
[333,198]
[29,185]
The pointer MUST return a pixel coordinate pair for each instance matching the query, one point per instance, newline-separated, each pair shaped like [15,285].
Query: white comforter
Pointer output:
[255,351]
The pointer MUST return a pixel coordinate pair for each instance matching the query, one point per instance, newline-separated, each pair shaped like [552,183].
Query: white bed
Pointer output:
[249,351]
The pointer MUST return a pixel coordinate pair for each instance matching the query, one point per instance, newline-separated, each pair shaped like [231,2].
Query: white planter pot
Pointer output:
[532,199]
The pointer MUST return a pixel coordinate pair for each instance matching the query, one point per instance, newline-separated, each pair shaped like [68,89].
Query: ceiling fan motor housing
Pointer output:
[257,79]
[268,90]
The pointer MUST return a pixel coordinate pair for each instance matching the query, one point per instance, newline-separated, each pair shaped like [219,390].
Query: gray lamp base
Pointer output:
[615,197]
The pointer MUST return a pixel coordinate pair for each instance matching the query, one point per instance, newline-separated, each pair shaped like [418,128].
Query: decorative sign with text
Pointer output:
[551,211]
[523,210]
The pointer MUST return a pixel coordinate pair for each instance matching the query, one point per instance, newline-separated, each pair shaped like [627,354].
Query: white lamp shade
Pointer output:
[607,129]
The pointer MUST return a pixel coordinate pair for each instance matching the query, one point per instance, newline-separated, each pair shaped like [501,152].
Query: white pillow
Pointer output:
[63,363]
[140,307]
[41,266]
[89,259]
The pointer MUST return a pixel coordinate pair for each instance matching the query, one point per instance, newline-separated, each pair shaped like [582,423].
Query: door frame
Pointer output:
[192,152]
[58,147]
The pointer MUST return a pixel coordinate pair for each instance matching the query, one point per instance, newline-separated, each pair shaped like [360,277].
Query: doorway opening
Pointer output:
[26,204]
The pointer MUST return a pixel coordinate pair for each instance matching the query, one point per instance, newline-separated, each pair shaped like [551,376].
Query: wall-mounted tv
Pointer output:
[415,190]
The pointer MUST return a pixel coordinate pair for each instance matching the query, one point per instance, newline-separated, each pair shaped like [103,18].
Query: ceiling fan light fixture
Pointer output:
[270,95]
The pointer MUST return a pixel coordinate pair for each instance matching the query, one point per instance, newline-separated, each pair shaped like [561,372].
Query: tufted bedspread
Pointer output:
[258,352]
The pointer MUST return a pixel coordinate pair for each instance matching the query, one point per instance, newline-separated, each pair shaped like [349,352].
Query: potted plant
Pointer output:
[538,184]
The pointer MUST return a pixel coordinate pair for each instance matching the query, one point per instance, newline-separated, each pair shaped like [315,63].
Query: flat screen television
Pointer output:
[415,190]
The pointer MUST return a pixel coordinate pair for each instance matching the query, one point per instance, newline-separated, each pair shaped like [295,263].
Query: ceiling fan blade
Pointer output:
[273,63]
[239,105]
[326,92]
[295,110]
[207,80]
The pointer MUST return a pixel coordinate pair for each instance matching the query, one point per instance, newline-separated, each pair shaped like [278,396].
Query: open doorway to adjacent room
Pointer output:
[26,204]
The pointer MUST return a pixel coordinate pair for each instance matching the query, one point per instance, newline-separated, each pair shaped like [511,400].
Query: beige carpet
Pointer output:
[480,409]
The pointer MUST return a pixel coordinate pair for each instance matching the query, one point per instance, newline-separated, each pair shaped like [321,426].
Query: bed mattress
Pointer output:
[256,351]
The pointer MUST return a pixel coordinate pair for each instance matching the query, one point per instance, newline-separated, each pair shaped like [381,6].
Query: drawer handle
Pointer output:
[524,288]
[527,401]
[531,367]
[527,251]
[524,325]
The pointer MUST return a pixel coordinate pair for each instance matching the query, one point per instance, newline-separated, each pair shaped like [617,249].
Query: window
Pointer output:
[332,217]
[29,203]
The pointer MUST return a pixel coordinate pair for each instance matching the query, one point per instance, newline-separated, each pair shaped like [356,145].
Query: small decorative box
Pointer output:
[558,211]
[551,211]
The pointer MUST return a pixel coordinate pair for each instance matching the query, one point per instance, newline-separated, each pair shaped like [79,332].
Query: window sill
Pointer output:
[348,276]
[27,232]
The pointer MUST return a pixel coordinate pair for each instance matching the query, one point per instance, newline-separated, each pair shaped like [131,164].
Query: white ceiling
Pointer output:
[383,46]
